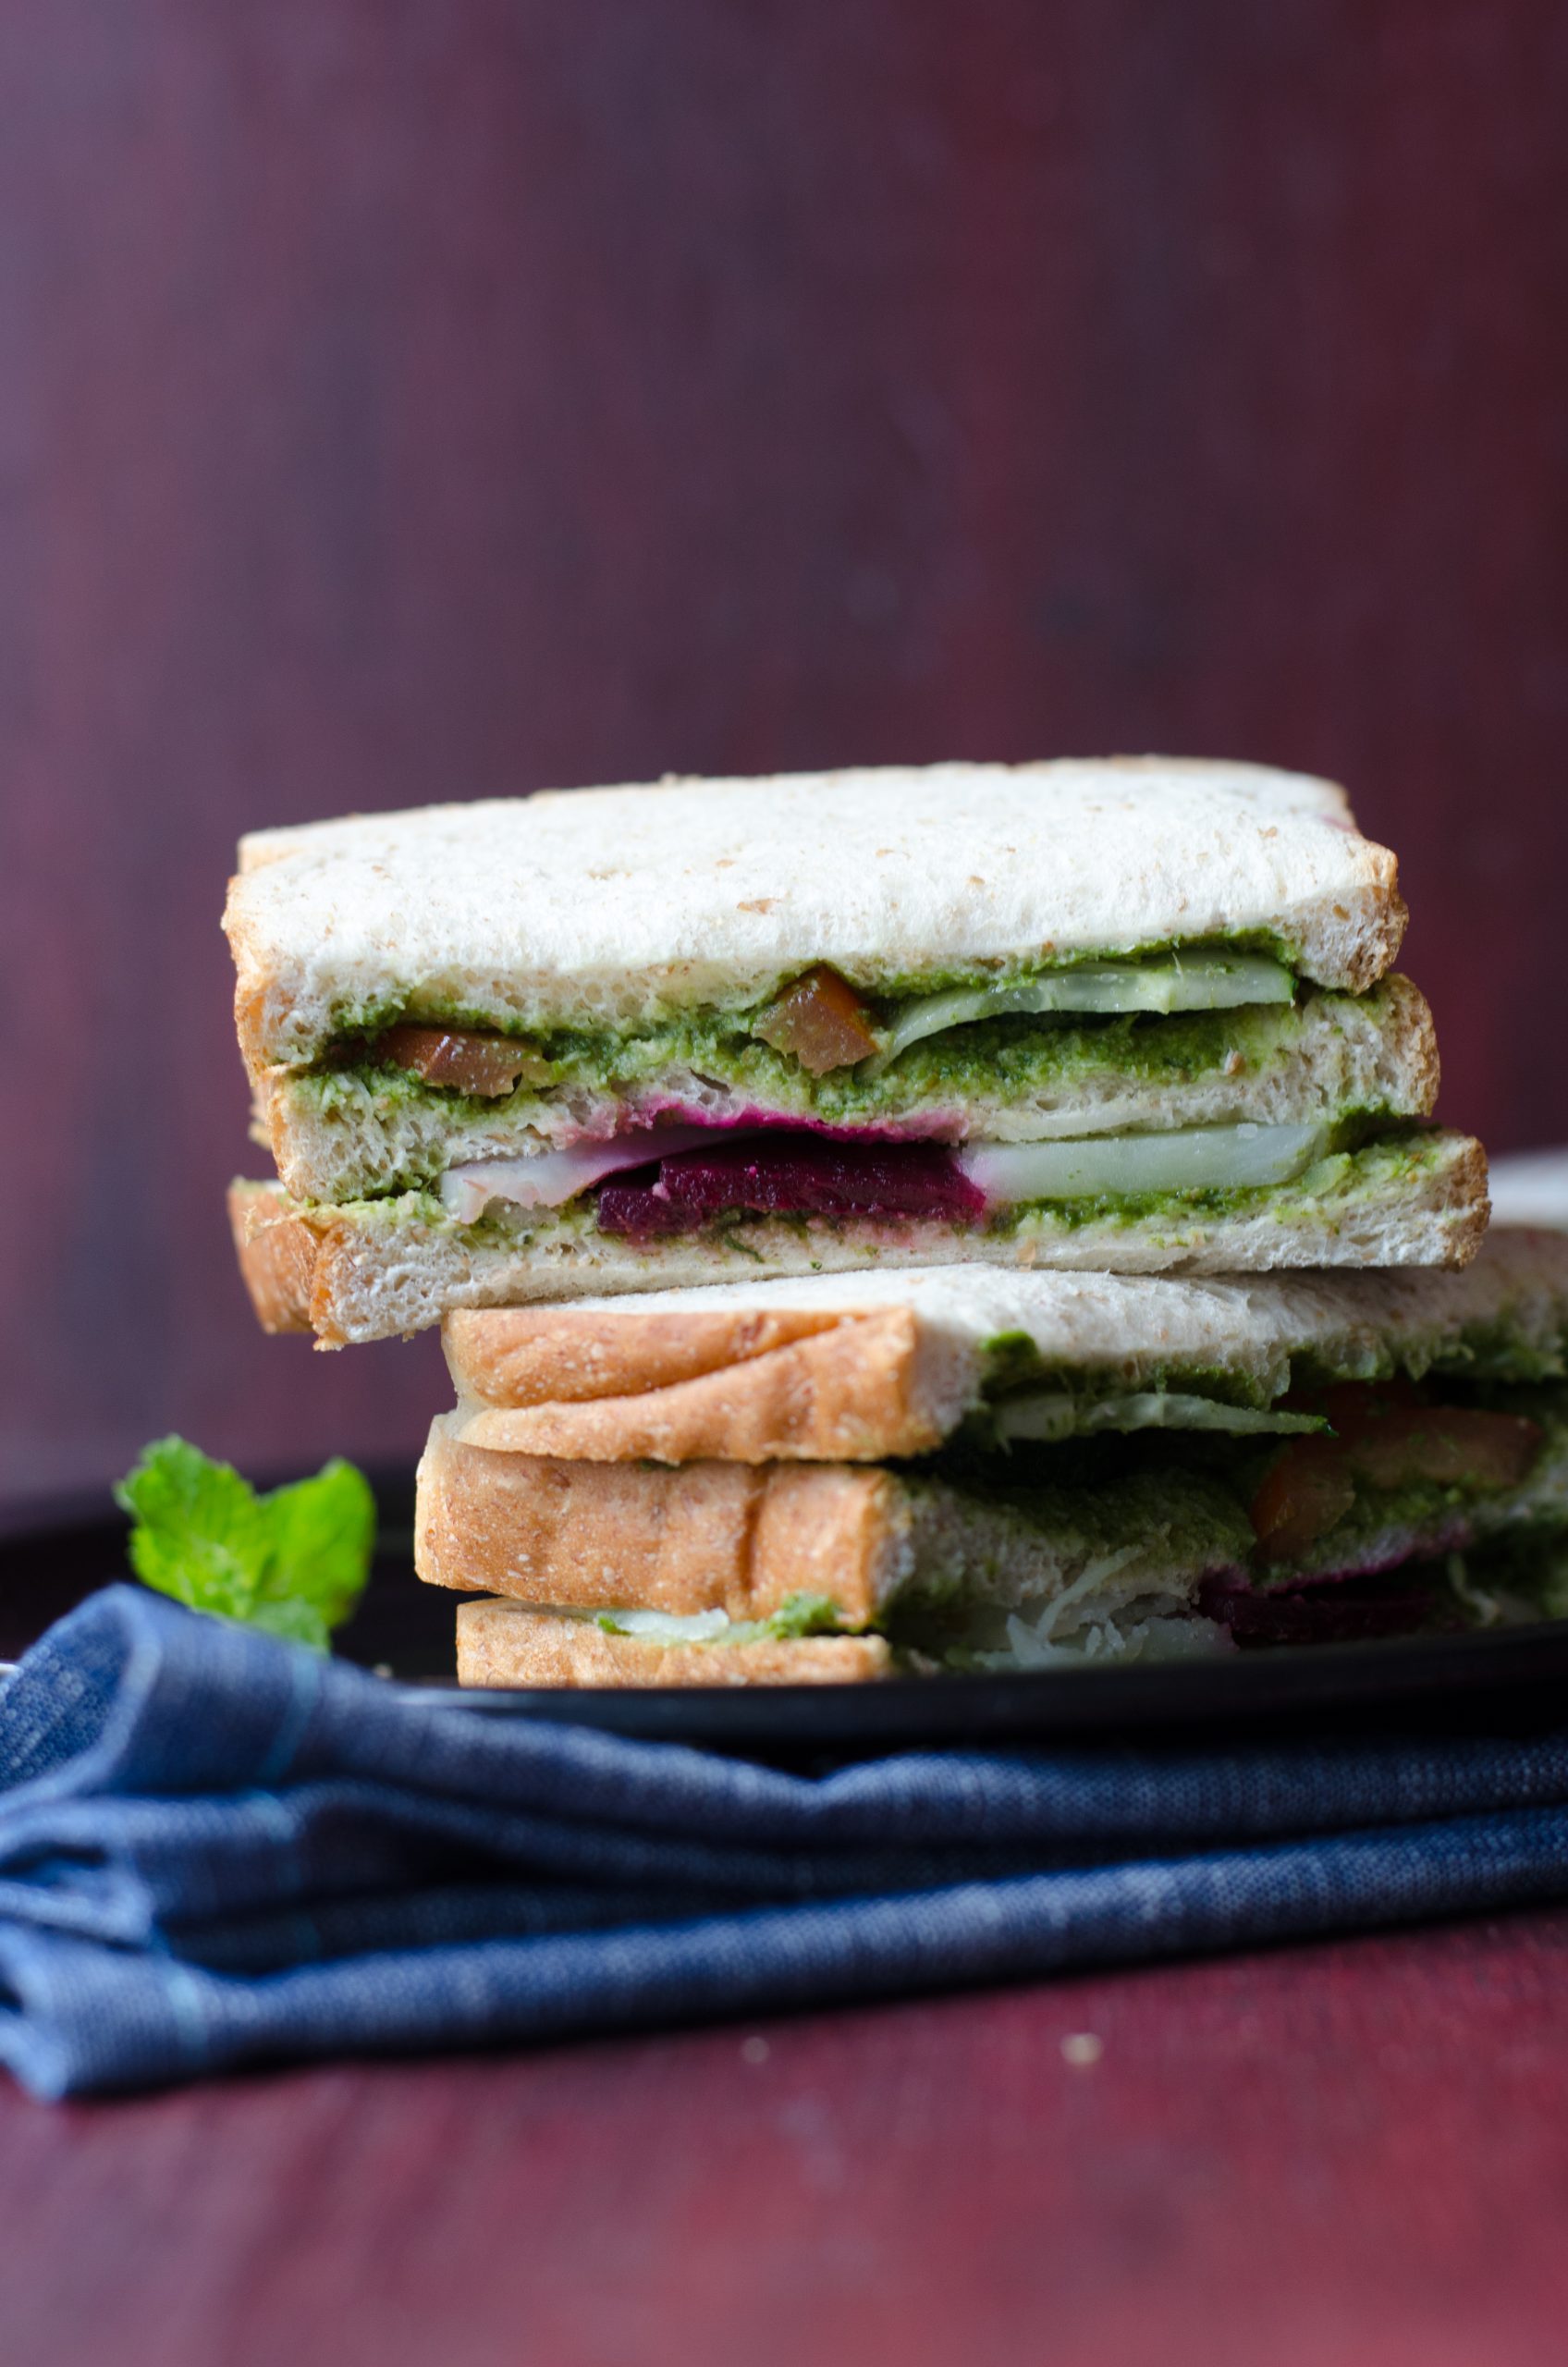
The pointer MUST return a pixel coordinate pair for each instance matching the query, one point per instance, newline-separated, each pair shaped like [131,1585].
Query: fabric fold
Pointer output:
[216,1848]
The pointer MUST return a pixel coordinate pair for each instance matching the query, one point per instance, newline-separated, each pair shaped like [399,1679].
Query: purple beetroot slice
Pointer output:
[794,1175]
[1350,1611]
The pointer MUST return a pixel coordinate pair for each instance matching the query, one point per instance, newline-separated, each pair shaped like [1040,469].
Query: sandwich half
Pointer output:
[1131,1013]
[964,1469]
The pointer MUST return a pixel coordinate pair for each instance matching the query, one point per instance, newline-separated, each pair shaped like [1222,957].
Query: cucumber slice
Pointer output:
[1214,980]
[1059,1416]
[1186,1158]
[665,1627]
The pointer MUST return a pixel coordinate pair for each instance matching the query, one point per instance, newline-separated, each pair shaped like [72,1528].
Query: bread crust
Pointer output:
[858,1393]
[504,1645]
[277,1252]
[706,1536]
[552,1356]
[598,906]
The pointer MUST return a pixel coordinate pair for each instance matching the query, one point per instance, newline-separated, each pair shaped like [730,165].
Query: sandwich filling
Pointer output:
[1365,1487]
[1372,1510]
[1357,1490]
[742,1194]
[1198,1073]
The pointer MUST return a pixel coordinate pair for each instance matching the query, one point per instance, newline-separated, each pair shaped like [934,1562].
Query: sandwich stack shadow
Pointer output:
[891,1119]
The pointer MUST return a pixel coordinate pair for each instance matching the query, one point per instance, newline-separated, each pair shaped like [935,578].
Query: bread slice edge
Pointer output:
[506,1646]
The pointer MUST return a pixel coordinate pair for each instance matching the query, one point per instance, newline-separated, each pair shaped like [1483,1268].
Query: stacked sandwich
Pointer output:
[885,1116]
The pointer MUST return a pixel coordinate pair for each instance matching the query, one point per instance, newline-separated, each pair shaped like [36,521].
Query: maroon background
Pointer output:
[404,399]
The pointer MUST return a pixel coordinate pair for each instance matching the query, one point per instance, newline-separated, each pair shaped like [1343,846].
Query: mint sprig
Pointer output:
[294,1561]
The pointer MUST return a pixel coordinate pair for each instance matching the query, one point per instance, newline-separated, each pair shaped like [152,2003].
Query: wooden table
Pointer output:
[1354,2152]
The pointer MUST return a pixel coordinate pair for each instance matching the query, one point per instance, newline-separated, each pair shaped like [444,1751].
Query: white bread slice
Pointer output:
[374,1269]
[1329,1055]
[893,1363]
[609,906]
[508,1645]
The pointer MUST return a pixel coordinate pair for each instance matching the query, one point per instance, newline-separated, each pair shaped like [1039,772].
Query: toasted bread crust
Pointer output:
[278,1255]
[1411,1067]
[553,1356]
[503,1644]
[857,1393]
[705,1537]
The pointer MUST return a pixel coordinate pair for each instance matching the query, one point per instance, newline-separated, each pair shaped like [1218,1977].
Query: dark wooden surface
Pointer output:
[1350,2153]
[401,399]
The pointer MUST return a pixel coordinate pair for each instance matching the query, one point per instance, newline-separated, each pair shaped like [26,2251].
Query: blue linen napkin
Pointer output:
[218,1848]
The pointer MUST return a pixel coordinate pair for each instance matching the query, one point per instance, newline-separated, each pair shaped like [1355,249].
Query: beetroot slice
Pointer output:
[1350,1611]
[796,1175]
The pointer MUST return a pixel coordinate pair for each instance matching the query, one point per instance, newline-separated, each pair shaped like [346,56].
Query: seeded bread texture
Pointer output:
[610,906]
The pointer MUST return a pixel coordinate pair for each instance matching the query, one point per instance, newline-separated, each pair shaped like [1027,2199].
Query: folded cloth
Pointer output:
[216,1847]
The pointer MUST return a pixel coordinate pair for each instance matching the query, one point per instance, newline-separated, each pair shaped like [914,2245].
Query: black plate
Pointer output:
[51,1557]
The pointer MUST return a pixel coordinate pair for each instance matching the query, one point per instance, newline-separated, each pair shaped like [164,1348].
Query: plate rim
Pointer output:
[1506,1670]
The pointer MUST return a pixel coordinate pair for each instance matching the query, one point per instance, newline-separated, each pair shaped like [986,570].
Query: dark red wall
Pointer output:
[411,398]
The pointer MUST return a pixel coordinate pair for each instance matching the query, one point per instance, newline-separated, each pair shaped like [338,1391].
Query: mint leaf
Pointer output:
[294,1562]
[198,1533]
[321,1534]
[299,1622]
